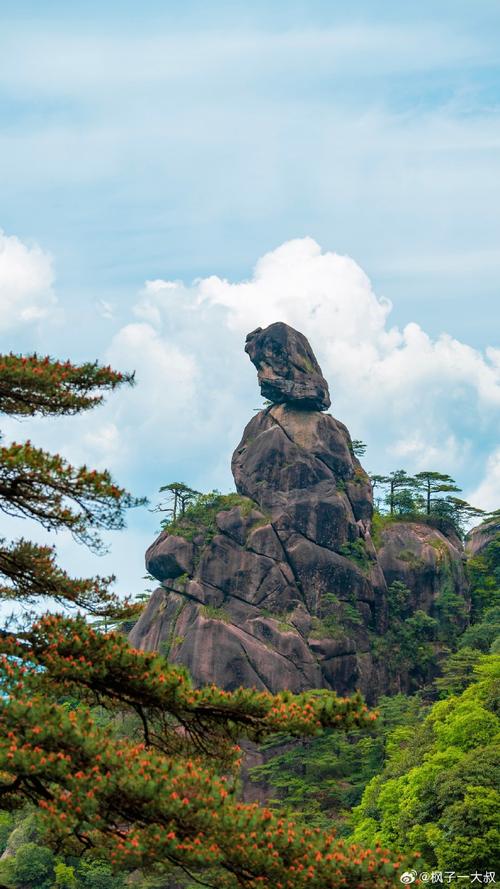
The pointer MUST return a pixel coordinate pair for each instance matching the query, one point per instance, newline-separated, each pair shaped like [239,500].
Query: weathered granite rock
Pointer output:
[287,589]
[283,594]
[427,562]
[478,538]
[169,557]
[287,368]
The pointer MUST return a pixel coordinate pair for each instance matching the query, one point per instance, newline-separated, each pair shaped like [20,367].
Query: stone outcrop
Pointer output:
[478,538]
[283,587]
[287,368]
[430,564]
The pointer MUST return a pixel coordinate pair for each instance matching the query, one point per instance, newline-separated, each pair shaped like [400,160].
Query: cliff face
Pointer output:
[286,589]
[478,538]
[429,564]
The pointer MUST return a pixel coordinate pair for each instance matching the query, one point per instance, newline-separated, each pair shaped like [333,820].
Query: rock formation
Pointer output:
[288,372]
[429,564]
[479,538]
[283,588]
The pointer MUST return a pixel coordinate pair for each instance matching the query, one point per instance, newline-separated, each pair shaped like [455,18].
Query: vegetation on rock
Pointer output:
[420,498]
[199,513]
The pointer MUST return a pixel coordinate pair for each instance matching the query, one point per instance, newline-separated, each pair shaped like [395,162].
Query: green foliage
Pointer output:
[379,522]
[65,877]
[451,611]
[328,627]
[482,635]
[45,487]
[31,385]
[438,791]
[358,447]
[33,867]
[174,791]
[213,613]
[399,488]
[6,826]
[458,671]
[356,551]
[408,645]
[435,483]
[323,778]
[419,498]
[99,875]
[398,600]
[178,497]
[199,515]
[411,559]
[484,575]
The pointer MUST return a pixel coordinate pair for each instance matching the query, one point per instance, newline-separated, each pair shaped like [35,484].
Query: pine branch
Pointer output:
[45,487]
[32,573]
[31,385]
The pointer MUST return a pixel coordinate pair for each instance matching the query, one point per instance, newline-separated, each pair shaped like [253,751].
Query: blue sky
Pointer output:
[183,142]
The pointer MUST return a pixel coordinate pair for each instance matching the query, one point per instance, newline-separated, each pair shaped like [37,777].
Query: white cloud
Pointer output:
[421,454]
[415,398]
[26,279]
[487,493]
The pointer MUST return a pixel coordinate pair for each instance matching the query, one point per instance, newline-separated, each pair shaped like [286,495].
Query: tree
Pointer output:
[162,793]
[484,633]
[435,483]
[178,498]
[404,502]
[439,788]
[455,511]
[458,671]
[404,497]
[358,447]
[41,486]
[395,482]
[484,575]
[65,877]
[324,777]
[33,867]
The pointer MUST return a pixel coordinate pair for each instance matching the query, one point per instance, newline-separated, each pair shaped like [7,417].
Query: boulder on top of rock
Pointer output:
[288,372]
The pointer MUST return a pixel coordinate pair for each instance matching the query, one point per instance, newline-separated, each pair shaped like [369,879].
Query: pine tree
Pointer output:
[165,793]
[38,485]
[435,483]
[178,498]
[397,483]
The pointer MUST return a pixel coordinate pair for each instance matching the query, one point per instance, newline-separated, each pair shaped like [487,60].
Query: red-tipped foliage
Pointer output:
[168,796]
[30,385]
[45,487]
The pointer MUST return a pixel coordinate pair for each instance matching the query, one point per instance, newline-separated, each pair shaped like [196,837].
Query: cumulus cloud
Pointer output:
[26,279]
[418,400]
[487,493]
